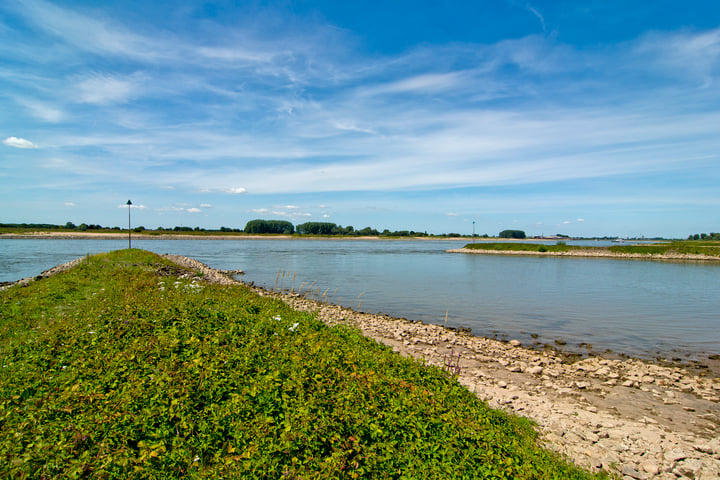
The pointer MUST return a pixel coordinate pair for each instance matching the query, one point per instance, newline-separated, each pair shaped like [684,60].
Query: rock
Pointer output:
[515,343]
[632,472]
[650,467]
[688,468]
[502,384]
[676,455]
[516,368]
[704,448]
[536,370]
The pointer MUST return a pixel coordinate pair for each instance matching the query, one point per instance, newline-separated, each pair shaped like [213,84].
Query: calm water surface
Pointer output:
[635,307]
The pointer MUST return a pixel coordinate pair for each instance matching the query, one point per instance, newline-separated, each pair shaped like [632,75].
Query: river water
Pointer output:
[642,308]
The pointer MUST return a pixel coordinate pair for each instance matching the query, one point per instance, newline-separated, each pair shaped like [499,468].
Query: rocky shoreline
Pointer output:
[633,418]
[591,254]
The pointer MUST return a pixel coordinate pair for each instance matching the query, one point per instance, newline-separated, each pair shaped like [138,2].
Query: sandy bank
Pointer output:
[591,254]
[638,419]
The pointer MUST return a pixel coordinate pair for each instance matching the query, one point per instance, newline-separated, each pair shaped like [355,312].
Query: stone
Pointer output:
[515,343]
[704,448]
[536,370]
[650,467]
[632,472]
[502,384]
[675,455]
[688,468]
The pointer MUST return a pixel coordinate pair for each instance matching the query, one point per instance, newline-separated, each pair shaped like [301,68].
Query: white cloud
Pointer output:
[230,190]
[426,83]
[566,222]
[580,220]
[42,110]
[535,12]
[133,206]
[107,89]
[452,214]
[69,204]
[193,210]
[205,205]
[19,143]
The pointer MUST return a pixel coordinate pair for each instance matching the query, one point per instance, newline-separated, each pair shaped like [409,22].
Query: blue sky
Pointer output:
[574,117]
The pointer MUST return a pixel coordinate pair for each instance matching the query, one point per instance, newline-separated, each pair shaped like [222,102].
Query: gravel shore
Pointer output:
[638,419]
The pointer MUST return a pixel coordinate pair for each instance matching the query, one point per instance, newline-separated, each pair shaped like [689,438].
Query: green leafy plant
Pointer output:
[128,366]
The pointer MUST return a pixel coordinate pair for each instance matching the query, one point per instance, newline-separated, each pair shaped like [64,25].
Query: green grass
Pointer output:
[681,247]
[128,367]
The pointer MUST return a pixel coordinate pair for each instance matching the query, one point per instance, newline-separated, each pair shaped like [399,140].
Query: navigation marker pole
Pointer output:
[129,204]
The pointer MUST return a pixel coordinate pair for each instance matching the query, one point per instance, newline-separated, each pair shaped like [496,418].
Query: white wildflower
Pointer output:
[294,326]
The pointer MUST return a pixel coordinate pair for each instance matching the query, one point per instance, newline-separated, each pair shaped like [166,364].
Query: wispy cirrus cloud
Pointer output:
[287,109]
[103,89]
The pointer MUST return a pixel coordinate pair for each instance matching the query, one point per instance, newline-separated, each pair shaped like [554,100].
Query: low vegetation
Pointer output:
[707,248]
[128,366]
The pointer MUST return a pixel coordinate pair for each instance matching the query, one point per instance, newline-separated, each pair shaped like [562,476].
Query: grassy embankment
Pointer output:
[671,248]
[126,366]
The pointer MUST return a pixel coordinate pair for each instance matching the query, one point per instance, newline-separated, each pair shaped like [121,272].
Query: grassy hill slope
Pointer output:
[128,366]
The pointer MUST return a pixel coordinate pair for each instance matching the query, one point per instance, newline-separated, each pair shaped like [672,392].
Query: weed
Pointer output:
[106,374]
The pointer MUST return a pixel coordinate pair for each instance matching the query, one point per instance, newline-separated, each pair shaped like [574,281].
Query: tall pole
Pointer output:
[473,231]
[129,204]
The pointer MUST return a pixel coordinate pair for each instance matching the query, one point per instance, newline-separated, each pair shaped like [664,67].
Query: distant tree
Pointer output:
[269,226]
[70,226]
[318,228]
[367,232]
[139,229]
[82,227]
[512,234]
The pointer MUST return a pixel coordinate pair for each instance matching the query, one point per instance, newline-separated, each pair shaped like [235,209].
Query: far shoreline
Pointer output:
[680,257]
[43,235]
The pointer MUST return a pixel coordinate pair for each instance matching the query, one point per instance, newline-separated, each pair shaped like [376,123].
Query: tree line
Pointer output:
[325,228]
[704,236]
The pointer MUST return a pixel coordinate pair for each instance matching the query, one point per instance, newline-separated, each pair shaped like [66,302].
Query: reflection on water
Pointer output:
[626,306]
